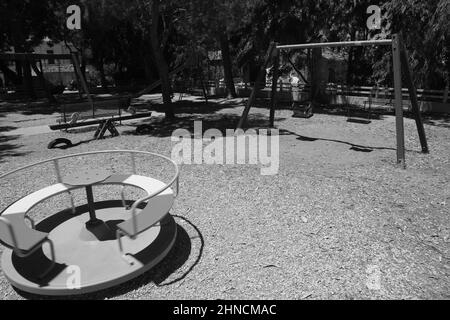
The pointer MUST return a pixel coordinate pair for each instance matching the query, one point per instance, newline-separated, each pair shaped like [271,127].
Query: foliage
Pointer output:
[425,26]
[24,23]
[119,33]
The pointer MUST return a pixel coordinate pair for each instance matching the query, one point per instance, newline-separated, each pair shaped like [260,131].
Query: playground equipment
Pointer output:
[102,111]
[302,105]
[400,59]
[355,114]
[105,112]
[379,97]
[99,244]
[104,123]
[302,108]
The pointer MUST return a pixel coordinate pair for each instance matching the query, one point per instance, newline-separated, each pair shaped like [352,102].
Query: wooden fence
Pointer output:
[430,100]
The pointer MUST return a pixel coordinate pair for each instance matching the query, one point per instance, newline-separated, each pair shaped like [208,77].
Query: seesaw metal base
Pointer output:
[88,259]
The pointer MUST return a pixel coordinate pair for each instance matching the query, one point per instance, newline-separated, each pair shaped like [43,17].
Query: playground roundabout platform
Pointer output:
[93,246]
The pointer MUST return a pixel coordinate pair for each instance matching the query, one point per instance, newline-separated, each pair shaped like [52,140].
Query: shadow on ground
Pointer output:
[27,108]
[336,110]
[354,147]
[355,112]
[8,149]
[438,121]
[198,105]
[175,259]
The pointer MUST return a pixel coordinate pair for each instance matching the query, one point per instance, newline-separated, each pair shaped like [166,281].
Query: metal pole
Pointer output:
[413,97]
[90,198]
[273,94]
[398,101]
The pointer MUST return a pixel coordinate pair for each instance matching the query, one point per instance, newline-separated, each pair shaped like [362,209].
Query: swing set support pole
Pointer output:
[273,94]
[399,125]
[256,87]
[399,58]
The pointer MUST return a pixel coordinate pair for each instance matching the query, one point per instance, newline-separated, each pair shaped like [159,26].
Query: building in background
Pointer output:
[57,71]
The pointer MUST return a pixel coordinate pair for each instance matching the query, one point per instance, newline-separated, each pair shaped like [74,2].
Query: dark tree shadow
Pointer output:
[7,128]
[8,149]
[198,106]
[442,121]
[355,112]
[159,280]
[221,122]
[331,109]
[40,106]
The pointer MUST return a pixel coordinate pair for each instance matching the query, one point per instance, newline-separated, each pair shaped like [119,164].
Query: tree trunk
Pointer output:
[101,69]
[83,67]
[227,66]
[149,76]
[161,63]
[316,55]
[10,75]
[19,70]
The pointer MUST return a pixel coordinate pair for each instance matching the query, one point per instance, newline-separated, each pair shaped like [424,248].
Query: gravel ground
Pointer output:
[334,223]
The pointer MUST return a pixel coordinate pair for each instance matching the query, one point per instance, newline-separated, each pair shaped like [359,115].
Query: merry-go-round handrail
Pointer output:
[132,152]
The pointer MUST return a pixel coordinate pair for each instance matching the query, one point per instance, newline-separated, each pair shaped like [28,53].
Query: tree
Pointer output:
[285,22]
[156,23]
[158,37]
[24,23]
[213,23]
[425,26]
[131,35]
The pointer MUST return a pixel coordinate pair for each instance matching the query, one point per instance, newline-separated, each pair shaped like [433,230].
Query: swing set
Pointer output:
[400,64]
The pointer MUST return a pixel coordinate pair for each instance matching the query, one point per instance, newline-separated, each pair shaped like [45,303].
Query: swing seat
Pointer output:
[302,110]
[359,115]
